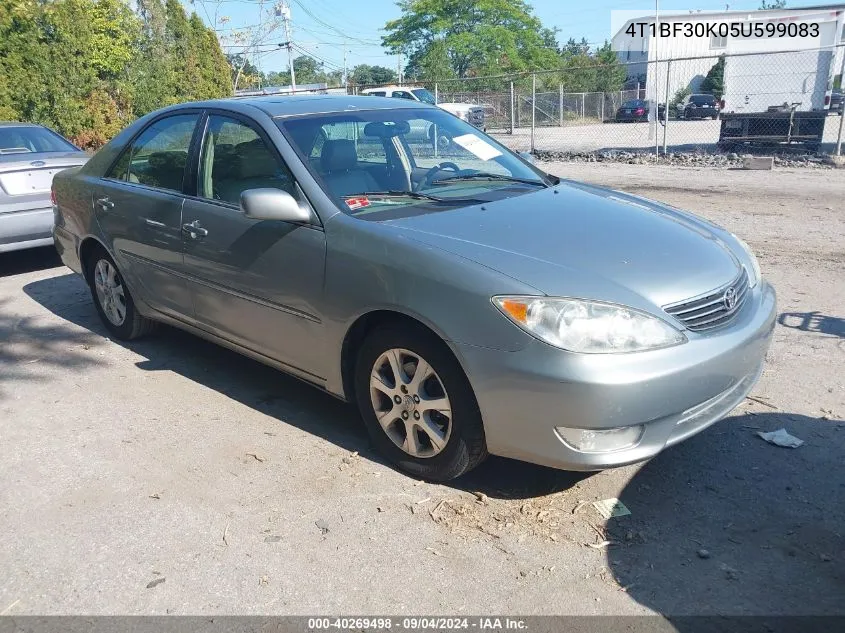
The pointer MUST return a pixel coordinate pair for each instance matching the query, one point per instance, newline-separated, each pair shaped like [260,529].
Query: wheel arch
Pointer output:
[87,247]
[366,323]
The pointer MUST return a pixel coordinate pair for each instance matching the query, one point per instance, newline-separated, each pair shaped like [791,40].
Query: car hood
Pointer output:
[582,241]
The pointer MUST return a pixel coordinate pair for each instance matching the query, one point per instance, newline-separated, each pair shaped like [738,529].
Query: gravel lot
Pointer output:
[172,476]
[680,135]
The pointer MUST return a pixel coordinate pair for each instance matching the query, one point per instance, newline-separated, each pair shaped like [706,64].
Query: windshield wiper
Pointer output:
[487,176]
[416,195]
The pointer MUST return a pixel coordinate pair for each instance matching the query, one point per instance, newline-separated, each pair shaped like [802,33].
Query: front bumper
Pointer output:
[674,392]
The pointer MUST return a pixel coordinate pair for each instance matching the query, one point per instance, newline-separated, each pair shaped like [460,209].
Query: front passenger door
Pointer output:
[254,282]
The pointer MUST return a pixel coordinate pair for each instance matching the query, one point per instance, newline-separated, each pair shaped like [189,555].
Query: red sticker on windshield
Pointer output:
[357,203]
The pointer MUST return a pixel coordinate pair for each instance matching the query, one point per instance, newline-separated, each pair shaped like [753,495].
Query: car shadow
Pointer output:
[278,395]
[726,523]
[813,322]
[29,260]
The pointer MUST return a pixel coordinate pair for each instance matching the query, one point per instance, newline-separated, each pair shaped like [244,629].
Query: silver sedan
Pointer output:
[30,155]
[466,302]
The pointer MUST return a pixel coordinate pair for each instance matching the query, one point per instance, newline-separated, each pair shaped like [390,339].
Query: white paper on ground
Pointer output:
[477,146]
[781,438]
[612,507]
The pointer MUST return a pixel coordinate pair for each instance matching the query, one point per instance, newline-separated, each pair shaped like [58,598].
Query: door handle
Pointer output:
[194,230]
[105,203]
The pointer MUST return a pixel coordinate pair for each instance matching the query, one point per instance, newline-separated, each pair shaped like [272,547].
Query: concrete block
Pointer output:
[758,162]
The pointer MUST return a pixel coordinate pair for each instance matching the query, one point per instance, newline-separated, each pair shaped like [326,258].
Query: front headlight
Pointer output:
[754,275]
[590,327]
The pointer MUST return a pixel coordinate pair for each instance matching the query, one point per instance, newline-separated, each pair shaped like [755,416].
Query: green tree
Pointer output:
[88,67]
[482,37]
[714,81]
[610,74]
[432,65]
[364,74]
[573,48]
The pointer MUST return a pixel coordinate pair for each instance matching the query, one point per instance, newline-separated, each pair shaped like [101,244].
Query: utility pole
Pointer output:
[399,67]
[656,66]
[288,44]
[343,78]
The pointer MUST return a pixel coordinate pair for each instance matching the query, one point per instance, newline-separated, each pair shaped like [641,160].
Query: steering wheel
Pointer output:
[431,173]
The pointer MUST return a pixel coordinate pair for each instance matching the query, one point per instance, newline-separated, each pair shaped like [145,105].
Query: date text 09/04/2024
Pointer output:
[723,29]
[417,623]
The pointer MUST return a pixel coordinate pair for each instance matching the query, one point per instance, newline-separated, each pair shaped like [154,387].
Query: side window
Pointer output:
[159,155]
[234,159]
[120,170]
[402,94]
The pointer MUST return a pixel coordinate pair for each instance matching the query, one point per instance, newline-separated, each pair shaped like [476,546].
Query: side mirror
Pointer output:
[528,157]
[273,204]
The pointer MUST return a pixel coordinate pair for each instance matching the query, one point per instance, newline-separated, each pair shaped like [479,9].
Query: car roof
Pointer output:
[18,124]
[294,105]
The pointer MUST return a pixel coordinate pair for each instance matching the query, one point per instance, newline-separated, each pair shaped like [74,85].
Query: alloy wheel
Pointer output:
[411,403]
[109,288]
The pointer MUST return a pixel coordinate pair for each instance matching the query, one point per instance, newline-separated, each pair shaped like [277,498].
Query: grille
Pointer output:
[711,310]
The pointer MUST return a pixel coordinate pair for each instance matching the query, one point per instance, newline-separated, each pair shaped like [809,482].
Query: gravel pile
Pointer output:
[683,159]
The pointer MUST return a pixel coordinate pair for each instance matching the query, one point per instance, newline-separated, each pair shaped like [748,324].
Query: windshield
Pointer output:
[31,140]
[395,159]
[425,96]
[702,99]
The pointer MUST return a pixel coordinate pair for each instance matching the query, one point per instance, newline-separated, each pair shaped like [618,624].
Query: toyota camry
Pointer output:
[465,301]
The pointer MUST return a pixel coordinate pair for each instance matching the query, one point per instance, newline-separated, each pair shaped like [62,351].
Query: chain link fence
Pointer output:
[740,102]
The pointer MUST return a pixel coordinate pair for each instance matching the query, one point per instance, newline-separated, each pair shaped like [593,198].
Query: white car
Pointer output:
[473,114]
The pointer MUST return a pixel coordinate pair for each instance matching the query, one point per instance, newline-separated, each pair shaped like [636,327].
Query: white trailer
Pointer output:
[798,73]
[782,96]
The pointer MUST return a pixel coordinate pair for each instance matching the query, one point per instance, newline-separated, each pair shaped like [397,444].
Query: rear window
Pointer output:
[634,104]
[703,99]
[30,140]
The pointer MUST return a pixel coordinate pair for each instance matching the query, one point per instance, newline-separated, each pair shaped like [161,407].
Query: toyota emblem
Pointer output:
[730,298]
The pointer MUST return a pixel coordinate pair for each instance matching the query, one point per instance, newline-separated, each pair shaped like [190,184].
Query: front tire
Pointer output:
[417,404]
[113,300]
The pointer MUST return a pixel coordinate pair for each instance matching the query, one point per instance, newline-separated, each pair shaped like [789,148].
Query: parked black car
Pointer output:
[699,107]
[637,110]
[837,103]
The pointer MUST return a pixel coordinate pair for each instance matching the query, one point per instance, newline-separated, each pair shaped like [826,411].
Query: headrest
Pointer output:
[255,160]
[338,155]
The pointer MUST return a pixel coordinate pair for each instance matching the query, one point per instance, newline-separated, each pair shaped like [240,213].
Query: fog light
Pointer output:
[600,440]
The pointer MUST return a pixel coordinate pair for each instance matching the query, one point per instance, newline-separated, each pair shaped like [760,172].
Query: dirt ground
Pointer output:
[171,476]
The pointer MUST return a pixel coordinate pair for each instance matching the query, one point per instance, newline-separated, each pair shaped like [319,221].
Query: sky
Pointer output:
[325,28]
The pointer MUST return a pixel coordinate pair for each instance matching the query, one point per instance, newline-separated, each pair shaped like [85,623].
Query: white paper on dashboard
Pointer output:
[477,146]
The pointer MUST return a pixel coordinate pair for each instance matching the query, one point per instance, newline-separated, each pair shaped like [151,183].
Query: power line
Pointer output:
[323,22]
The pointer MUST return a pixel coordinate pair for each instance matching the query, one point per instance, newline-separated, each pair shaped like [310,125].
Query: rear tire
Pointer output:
[113,300]
[433,444]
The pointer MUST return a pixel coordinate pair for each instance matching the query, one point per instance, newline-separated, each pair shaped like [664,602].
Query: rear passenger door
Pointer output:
[254,282]
[138,205]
